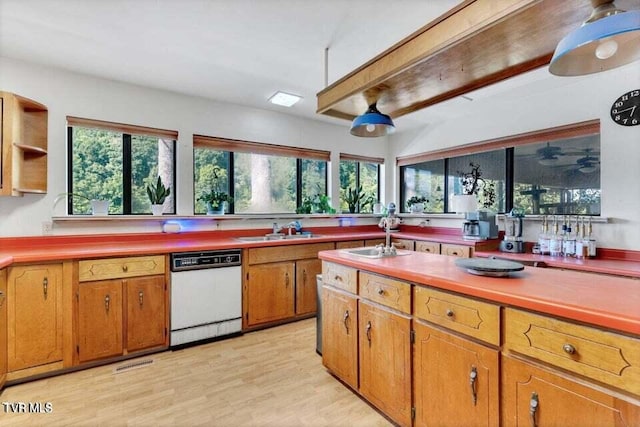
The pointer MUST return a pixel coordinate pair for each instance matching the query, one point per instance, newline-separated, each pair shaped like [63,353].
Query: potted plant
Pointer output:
[98,206]
[157,193]
[416,204]
[474,184]
[353,197]
[215,201]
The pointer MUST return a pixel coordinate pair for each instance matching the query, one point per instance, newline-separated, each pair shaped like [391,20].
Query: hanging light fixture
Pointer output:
[610,38]
[372,123]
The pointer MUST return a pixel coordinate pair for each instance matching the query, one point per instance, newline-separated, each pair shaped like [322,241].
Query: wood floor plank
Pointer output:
[271,377]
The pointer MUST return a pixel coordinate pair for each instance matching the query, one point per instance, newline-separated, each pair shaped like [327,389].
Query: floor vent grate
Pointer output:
[133,365]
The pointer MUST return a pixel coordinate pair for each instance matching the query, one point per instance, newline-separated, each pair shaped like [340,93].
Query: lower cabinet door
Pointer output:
[306,299]
[3,325]
[146,325]
[453,379]
[536,396]
[340,335]
[385,360]
[100,319]
[270,292]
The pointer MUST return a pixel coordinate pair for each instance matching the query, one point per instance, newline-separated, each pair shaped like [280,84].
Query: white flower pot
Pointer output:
[417,208]
[100,207]
[157,209]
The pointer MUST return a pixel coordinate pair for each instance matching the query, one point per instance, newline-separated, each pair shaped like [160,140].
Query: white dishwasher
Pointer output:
[206,295]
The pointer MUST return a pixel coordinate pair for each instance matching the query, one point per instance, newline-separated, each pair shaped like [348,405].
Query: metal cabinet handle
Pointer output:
[380,291]
[1,298]
[454,253]
[533,408]
[45,287]
[140,298]
[286,279]
[304,276]
[569,349]
[107,299]
[473,376]
[368,332]
[125,268]
[345,319]
[337,277]
[449,312]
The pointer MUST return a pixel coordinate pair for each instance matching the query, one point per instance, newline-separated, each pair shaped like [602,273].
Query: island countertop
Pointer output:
[605,301]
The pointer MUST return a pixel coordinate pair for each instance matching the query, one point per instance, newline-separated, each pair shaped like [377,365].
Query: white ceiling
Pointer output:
[238,51]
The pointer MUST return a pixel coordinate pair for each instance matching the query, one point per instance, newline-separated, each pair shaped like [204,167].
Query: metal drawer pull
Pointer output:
[533,408]
[449,312]
[286,279]
[45,287]
[125,268]
[569,349]
[304,276]
[368,332]
[141,298]
[337,278]
[380,291]
[107,299]
[473,375]
[345,318]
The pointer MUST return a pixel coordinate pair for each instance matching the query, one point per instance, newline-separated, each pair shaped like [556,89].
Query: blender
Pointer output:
[512,233]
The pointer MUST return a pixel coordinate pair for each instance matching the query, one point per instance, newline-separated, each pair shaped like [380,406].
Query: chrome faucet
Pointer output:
[276,228]
[293,224]
[389,222]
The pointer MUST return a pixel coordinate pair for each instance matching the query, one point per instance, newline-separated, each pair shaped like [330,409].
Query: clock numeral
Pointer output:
[634,121]
[624,97]
[617,118]
[618,104]
[635,93]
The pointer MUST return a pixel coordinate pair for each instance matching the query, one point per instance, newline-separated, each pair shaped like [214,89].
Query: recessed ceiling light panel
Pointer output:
[284,99]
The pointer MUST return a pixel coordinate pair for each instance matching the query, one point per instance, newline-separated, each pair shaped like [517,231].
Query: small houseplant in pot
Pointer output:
[473,184]
[416,204]
[98,206]
[157,193]
[215,201]
[354,197]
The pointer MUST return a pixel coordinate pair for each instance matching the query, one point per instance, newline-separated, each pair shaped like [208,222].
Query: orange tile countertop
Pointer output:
[616,262]
[605,301]
[55,248]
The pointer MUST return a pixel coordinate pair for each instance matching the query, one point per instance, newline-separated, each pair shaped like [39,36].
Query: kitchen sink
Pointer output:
[270,236]
[374,252]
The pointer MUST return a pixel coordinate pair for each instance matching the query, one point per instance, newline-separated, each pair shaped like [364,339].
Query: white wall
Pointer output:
[70,94]
[554,102]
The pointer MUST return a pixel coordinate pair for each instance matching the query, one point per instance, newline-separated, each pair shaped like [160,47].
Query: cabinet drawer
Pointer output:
[350,244]
[287,253]
[603,356]
[117,268]
[477,319]
[461,251]
[403,244]
[429,247]
[340,276]
[392,293]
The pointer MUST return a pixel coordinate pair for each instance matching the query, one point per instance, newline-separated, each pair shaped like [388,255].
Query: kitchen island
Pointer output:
[421,339]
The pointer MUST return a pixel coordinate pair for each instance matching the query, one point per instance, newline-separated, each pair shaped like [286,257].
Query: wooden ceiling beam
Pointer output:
[476,44]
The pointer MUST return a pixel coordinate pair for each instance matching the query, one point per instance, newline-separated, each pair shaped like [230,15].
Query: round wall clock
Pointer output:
[625,111]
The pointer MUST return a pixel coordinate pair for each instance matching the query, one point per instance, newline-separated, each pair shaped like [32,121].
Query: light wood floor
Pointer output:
[267,378]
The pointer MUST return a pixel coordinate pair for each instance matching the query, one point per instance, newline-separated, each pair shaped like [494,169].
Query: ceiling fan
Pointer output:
[588,163]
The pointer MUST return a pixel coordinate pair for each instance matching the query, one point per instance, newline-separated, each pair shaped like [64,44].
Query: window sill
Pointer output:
[226,217]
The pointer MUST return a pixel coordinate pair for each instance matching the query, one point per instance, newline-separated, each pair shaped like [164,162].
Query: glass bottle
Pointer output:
[591,241]
[543,237]
[569,242]
[580,253]
[555,240]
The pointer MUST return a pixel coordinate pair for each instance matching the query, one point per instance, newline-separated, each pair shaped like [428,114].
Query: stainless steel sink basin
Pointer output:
[268,237]
[373,252]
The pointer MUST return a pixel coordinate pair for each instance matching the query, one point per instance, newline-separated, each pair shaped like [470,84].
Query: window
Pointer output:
[356,172]
[552,171]
[261,178]
[115,162]
[424,179]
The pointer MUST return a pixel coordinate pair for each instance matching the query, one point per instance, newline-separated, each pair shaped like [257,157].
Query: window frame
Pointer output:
[233,146]
[508,143]
[127,132]
[378,161]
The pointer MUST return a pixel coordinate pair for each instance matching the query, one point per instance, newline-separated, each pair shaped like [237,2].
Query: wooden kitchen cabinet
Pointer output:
[23,145]
[348,244]
[533,395]
[405,244]
[461,251]
[385,360]
[34,316]
[340,335]
[454,376]
[270,292]
[279,283]
[99,320]
[306,293]
[3,328]
[428,247]
[146,325]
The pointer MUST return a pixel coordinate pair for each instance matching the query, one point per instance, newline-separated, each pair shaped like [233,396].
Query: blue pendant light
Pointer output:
[372,123]
[610,38]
